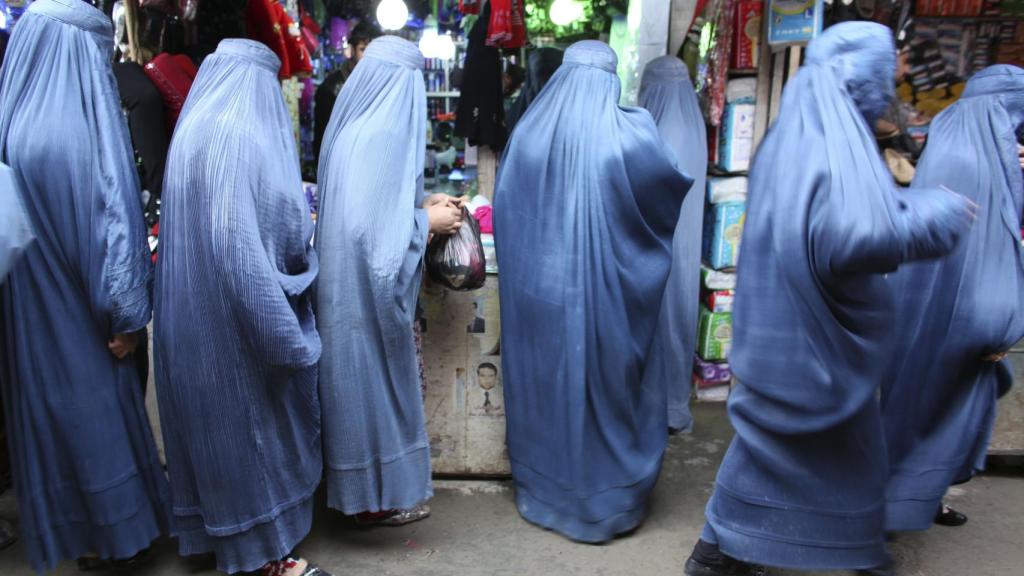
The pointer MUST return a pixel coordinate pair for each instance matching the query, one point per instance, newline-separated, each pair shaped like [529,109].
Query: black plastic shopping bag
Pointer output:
[457,261]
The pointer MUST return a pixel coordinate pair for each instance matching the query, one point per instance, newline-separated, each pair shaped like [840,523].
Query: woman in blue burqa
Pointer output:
[667,92]
[372,232]
[85,464]
[803,484]
[586,204]
[235,344]
[958,316]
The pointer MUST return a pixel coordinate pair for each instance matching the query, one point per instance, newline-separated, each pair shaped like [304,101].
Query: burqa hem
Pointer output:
[250,549]
[765,549]
[576,516]
[393,483]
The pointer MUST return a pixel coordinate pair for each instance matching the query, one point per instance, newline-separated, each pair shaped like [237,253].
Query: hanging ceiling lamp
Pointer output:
[392,14]
[565,12]
[429,41]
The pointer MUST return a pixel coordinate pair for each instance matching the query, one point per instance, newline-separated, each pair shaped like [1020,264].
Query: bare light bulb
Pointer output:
[392,14]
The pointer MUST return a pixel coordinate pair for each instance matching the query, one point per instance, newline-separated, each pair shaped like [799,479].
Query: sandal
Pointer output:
[393,518]
[281,567]
[947,516]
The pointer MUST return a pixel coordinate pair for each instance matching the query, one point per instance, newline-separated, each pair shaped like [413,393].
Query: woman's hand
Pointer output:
[121,345]
[444,199]
[995,357]
[444,218]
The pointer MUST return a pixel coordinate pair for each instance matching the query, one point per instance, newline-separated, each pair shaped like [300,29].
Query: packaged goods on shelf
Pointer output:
[710,373]
[747,35]
[723,228]
[729,189]
[714,335]
[711,279]
[719,300]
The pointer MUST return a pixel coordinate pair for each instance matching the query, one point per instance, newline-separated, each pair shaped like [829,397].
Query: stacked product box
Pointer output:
[736,134]
[724,218]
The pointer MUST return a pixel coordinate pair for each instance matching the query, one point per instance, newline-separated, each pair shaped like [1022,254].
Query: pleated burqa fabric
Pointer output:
[586,204]
[15,229]
[235,342]
[84,460]
[667,92]
[372,233]
[542,64]
[803,483]
[940,405]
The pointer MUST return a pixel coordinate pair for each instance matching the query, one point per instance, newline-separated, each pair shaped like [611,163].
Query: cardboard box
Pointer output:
[747,34]
[716,280]
[719,300]
[706,374]
[729,189]
[714,335]
[723,228]
[736,139]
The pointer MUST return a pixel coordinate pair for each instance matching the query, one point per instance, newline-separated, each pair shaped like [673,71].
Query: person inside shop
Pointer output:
[586,205]
[86,470]
[542,64]
[327,93]
[667,92]
[939,406]
[233,323]
[372,231]
[803,484]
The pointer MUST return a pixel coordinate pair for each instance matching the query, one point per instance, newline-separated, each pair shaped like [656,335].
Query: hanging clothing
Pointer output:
[15,229]
[667,92]
[144,107]
[480,116]
[803,484]
[543,63]
[940,404]
[85,464]
[587,200]
[235,344]
[173,76]
[372,234]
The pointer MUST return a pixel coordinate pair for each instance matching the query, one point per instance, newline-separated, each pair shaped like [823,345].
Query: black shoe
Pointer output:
[707,560]
[946,516]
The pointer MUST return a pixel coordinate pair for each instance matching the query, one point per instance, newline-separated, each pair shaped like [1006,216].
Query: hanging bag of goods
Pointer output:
[457,261]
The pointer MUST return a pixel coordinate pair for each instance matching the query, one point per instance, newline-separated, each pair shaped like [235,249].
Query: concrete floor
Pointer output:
[475,530]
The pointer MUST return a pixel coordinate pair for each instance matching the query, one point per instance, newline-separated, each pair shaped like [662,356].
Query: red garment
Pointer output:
[173,77]
[507,28]
[299,62]
[263,25]
[469,6]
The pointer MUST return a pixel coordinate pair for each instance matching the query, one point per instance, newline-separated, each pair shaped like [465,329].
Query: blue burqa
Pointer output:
[235,344]
[667,92]
[15,230]
[803,483]
[372,234]
[85,463]
[940,405]
[586,204]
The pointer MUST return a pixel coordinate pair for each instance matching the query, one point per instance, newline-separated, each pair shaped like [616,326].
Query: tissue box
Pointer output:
[787,25]
[714,393]
[736,141]
[719,300]
[716,280]
[723,227]
[722,190]
[707,374]
[747,34]
[714,335]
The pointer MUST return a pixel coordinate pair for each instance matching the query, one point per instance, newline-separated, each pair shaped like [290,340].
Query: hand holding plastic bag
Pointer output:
[457,261]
